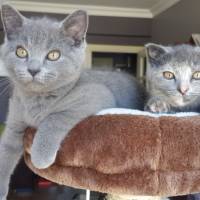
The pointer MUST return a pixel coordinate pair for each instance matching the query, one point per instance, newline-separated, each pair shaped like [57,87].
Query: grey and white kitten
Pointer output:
[173,78]
[51,91]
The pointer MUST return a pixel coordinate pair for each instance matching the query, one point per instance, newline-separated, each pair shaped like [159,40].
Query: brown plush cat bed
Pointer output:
[135,154]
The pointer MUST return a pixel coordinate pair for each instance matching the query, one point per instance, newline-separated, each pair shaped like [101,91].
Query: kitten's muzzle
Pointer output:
[33,72]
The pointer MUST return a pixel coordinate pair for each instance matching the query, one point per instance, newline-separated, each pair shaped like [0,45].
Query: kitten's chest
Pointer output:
[36,110]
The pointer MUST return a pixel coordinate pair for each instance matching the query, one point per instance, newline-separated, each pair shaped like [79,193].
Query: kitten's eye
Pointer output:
[21,52]
[196,75]
[53,55]
[168,75]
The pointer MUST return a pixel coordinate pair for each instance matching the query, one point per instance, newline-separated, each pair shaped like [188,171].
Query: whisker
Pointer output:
[194,95]
[4,83]
[5,91]
[4,77]
[4,80]
[50,75]
[2,87]
[171,93]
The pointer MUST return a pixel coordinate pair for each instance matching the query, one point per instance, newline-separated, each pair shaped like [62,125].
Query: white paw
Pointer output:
[42,159]
[2,196]
[3,190]
[157,106]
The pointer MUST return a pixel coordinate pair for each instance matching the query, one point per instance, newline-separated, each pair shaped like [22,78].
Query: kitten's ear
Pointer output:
[155,51]
[75,25]
[12,20]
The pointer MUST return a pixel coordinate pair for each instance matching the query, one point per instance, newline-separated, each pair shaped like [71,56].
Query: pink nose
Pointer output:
[183,89]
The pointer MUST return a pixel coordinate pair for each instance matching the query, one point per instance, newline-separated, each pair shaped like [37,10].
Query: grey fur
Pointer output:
[165,95]
[60,95]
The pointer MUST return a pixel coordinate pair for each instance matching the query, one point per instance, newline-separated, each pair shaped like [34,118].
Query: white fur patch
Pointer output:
[123,111]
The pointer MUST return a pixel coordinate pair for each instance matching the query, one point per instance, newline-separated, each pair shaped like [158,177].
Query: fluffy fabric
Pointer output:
[128,154]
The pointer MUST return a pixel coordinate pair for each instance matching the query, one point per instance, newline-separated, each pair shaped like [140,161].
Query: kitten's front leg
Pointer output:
[56,126]
[47,140]
[157,105]
[49,136]
[11,148]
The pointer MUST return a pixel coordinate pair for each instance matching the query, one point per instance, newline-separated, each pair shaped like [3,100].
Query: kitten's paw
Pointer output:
[157,106]
[3,190]
[3,195]
[41,158]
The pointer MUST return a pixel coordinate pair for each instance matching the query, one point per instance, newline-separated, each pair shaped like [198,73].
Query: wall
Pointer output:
[110,30]
[116,30]
[176,24]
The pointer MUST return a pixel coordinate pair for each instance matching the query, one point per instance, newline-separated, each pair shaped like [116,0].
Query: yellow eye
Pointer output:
[168,75]
[196,75]
[21,52]
[53,55]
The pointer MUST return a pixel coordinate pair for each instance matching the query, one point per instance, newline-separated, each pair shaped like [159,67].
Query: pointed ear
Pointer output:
[12,20]
[75,25]
[155,51]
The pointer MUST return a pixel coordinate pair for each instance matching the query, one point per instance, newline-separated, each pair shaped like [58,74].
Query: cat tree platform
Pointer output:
[128,152]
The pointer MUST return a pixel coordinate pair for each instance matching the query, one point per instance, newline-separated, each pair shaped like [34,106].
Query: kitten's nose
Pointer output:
[183,89]
[33,72]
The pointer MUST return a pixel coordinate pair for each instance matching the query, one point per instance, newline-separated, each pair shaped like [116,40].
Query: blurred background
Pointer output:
[118,30]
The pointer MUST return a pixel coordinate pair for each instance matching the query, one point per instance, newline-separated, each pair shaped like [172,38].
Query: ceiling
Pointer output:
[117,3]
[121,8]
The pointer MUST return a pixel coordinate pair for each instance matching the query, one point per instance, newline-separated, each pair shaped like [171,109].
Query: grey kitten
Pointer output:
[51,91]
[173,78]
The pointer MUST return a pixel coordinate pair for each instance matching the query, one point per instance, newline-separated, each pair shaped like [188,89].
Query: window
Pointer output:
[128,58]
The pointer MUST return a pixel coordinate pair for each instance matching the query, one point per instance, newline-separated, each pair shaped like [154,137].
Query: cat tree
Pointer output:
[128,152]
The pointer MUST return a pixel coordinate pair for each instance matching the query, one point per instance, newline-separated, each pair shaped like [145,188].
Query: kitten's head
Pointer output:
[42,54]
[174,73]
